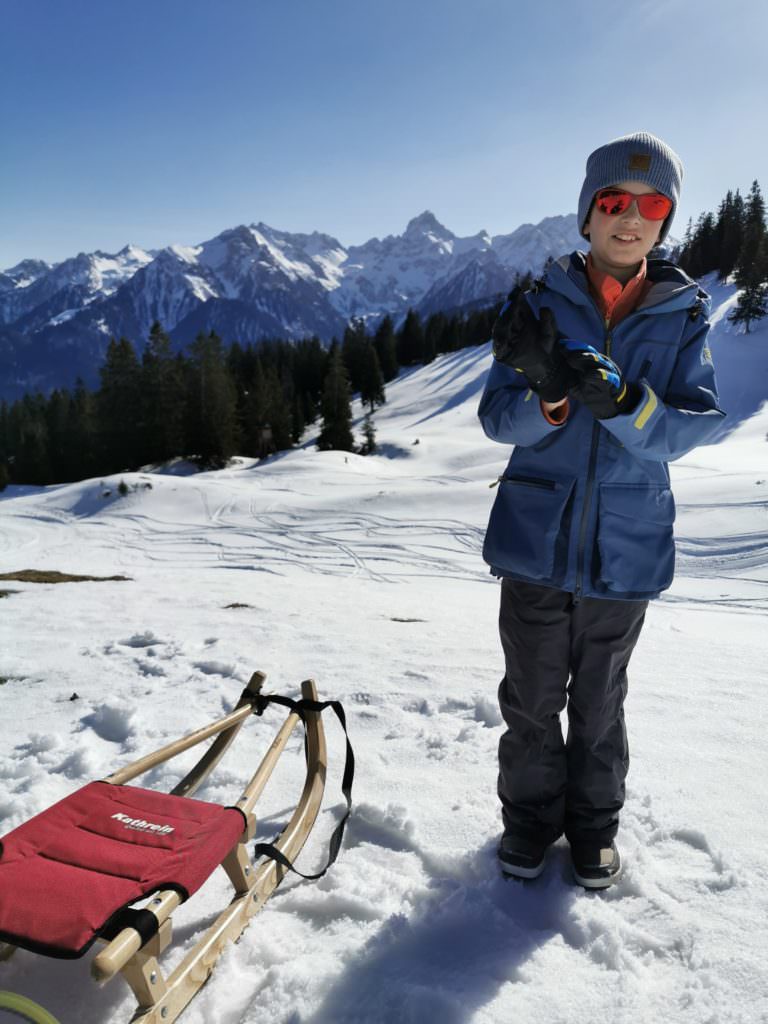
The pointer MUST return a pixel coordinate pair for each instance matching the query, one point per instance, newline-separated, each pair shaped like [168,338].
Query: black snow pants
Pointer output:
[553,650]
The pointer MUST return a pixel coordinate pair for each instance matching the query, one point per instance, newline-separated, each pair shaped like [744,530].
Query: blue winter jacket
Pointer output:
[586,506]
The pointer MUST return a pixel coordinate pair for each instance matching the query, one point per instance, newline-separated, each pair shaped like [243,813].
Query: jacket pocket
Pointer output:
[634,537]
[525,525]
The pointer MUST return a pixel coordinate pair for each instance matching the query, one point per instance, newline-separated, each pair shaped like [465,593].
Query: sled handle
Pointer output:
[260,778]
[132,771]
[195,778]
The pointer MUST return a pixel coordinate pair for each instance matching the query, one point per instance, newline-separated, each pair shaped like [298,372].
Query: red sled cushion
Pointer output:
[65,873]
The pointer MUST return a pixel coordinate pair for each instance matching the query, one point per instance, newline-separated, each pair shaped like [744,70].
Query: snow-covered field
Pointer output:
[366,574]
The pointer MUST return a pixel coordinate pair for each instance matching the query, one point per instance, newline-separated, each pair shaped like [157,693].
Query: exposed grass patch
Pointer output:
[51,576]
[5,593]
[237,604]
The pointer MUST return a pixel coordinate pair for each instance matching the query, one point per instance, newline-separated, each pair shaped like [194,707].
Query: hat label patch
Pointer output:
[639,162]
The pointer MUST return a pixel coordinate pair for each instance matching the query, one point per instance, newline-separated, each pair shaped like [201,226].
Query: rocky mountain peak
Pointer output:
[427,224]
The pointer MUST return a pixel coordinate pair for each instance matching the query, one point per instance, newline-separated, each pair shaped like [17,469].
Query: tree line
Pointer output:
[211,401]
[734,241]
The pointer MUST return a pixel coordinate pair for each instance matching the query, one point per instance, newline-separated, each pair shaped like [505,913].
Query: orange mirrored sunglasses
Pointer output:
[652,205]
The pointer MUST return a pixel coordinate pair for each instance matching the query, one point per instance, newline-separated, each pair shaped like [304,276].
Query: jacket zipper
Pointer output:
[527,481]
[588,496]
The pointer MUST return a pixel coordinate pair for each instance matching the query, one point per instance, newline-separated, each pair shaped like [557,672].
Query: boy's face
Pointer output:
[620,242]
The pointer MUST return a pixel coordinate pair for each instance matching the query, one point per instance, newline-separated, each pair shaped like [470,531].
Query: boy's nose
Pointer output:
[632,212]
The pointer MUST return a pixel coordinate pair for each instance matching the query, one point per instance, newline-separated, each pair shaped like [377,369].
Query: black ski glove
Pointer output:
[530,346]
[599,383]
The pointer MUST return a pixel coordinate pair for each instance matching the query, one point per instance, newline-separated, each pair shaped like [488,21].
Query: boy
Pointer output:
[601,376]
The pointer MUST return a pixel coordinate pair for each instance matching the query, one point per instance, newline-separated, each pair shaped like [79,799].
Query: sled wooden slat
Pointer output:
[255,787]
[132,771]
[127,943]
[160,1000]
[194,970]
[195,778]
[114,957]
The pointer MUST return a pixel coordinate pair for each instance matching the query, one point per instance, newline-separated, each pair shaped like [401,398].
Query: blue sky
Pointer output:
[160,121]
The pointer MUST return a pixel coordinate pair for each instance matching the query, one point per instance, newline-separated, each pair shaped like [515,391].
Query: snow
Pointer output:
[62,318]
[366,574]
[200,288]
[110,272]
[185,253]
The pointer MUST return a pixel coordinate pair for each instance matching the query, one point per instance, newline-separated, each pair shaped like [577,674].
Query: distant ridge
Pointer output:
[248,283]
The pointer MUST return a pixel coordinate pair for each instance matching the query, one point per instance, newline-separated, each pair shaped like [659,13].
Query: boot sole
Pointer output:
[597,883]
[514,871]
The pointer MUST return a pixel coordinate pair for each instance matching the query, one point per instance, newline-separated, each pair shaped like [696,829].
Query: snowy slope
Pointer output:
[366,574]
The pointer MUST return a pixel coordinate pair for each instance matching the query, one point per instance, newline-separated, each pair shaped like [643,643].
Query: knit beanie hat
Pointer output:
[637,157]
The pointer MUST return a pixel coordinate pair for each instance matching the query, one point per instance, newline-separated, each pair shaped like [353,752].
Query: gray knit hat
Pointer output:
[637,157]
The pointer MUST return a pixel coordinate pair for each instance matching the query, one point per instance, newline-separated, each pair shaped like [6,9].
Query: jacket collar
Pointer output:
[671,288]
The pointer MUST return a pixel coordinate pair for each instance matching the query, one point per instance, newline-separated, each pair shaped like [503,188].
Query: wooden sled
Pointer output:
[89,853]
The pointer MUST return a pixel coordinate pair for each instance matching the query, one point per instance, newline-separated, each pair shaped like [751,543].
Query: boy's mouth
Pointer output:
[626,238]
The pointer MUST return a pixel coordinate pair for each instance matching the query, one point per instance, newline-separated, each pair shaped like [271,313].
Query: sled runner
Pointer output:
[71,875]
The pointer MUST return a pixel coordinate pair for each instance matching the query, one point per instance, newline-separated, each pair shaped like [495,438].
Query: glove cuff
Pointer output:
[630,397]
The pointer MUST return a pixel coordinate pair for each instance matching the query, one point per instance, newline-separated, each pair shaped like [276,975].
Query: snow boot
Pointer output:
[521,858]
[596,865]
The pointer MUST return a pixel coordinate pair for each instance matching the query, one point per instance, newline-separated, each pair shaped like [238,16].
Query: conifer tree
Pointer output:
[278,411]
[336,431]
[478,327]
[311,367]
[453,335]
[752,305]
[410,340]
[751,273]
[704,256]
[118,409]
[163,398]
[752,264]
[353,352]
[298,422]
[435,333]
[31,462]
[733,236]
[754,209]
[369,435]
[57,416]
[252,416]
[371,378]
[4,433]
[81,432]
[212,403]
[386,349]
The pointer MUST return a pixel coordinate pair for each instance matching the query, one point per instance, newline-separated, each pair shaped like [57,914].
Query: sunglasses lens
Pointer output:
[654,207]
[612,202]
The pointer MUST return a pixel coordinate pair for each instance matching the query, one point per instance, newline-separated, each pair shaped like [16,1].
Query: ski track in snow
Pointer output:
[367,574]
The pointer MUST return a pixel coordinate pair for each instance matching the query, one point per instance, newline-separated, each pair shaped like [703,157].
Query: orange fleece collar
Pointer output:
[614,300]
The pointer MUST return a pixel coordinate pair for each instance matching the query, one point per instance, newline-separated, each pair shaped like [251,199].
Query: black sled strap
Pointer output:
[260,703]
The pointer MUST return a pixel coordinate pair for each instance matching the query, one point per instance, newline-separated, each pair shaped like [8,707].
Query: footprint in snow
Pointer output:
[391,828]
[218,668]
[687,852]
[145,639]
[111,723]
[150,668]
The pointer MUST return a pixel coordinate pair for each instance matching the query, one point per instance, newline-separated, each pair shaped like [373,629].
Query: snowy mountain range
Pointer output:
[249,283]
